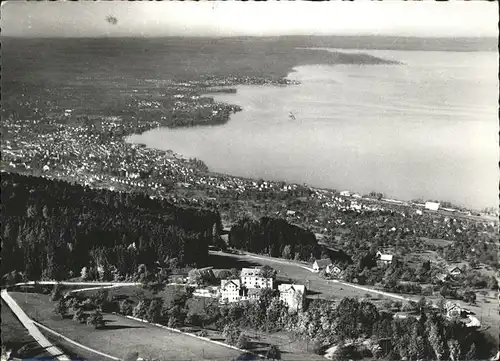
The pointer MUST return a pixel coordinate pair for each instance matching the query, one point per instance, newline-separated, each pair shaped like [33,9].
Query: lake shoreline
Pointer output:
[256,112]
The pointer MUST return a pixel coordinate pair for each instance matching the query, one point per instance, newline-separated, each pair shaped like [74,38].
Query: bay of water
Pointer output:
[425,128]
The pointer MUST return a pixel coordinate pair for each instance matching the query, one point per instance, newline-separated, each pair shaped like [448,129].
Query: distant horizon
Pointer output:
[489,37]
[236,19]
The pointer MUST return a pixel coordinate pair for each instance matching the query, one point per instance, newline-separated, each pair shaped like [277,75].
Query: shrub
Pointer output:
[56,293]
[95,319]
[141,309]
[203,333]
[61,308]
[126,307]
[273,353]
[318,348]
[231,334]
[79,316]
[243,341]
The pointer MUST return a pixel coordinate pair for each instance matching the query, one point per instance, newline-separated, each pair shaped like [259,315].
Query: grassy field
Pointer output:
[14,335]
[122,336]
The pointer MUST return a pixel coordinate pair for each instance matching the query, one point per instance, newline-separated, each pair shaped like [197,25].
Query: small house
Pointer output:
[321,264]
[455,271]
[384,258]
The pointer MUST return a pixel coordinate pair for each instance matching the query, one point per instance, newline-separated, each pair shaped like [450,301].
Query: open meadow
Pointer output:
[122,336]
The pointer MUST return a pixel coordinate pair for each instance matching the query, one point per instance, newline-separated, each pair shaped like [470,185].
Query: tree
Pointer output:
[196,277]
[243,341]
[287,252]
[435,340]
[126,307]
[141,309]
[471,354]
[454,347]
[56,293]
[79,315]
[235,273]
[273,353]
[231,334]
[194,319]
[96,319]
[267,272]
[469,296]
[224,274]
[492,283]
[61,308]
[100,299]
[154,310]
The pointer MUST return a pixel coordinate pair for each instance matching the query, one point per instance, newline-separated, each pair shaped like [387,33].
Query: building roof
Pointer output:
[323,262]
[384,257]
[250,272]
[454,268]
[432,205]
[287,287]
[225,283]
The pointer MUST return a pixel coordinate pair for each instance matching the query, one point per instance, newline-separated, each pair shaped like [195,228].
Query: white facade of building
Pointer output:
[384,258]
[251,278]
[230,290]
[292,295]
[433,206]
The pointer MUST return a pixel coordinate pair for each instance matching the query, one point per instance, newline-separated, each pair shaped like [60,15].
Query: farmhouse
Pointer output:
[384,258]
[292,295]
[320,264]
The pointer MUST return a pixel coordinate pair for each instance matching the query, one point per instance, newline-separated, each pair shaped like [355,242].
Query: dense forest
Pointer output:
[52,229]
[274,237]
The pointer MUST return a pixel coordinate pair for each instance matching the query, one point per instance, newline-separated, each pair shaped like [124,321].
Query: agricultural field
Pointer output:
[122,336]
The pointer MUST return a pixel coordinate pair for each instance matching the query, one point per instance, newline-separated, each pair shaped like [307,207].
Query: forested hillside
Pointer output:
[52,229]
[275,237]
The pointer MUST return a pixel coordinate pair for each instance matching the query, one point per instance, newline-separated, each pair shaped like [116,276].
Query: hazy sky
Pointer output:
[71,19]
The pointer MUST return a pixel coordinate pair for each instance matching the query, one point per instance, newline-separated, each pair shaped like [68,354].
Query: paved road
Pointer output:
[32,329]
[299,272]
[78,283]
[336,288]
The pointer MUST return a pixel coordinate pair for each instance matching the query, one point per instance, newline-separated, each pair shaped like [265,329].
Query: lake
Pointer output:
[426,128]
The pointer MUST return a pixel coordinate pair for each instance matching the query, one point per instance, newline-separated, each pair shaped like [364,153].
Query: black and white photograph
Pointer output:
[229,180]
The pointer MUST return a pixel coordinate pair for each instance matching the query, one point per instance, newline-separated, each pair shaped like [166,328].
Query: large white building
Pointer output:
[293,295]
[433,206]
[251,278]
[230,291]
